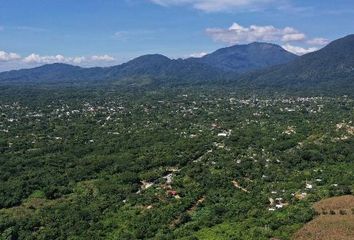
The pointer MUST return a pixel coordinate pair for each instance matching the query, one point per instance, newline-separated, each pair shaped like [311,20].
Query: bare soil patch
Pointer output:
[335,221]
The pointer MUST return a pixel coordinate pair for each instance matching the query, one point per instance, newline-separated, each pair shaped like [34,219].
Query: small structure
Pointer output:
[169,178]
[225,133]
[145,185]
[173,193]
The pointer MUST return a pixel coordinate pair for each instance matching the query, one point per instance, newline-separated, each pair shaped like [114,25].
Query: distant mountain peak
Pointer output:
[346,43]
[247,57]
[265,45]
[259,44]
[58,67]
[154,57]
[330,67]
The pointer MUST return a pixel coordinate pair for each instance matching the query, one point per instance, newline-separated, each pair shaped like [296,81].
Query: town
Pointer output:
[183,161]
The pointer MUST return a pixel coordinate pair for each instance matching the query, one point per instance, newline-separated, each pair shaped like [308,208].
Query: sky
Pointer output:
[109,32]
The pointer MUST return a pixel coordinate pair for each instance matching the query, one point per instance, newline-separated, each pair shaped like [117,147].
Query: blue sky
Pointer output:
[108,32]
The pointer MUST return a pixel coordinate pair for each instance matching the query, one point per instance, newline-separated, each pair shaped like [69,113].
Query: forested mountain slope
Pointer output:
[332,66]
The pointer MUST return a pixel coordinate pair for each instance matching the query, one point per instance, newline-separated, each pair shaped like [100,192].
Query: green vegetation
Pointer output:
[168,164]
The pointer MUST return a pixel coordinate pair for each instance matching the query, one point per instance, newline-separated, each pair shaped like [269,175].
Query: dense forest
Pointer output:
[183,163]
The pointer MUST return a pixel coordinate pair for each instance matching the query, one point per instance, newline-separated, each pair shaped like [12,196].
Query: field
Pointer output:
[335,220]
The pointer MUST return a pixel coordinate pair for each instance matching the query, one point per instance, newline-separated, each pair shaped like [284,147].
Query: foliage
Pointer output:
[102,163]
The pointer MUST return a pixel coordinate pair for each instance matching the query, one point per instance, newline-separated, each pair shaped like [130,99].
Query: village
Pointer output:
[180,155]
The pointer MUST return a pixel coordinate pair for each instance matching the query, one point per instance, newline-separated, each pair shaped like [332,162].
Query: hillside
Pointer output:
[156,69]
[332,66]
[245,58]
[145,70]
[159,70]
[255,66]
[335,220]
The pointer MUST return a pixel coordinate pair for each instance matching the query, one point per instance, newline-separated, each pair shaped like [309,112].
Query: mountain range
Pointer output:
[255,64]
[331,67]
[157,69]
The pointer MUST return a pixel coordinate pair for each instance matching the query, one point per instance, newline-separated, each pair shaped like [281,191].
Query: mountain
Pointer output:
[329,68]
[44,73]
[332,66]
[156,69]
[151,69]
[245,58]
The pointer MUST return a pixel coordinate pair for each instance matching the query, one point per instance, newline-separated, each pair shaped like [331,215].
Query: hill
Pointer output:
[245,58]
[332,66]
[159,70]
[152,69]
[335,220]
[156,69]
[254,66]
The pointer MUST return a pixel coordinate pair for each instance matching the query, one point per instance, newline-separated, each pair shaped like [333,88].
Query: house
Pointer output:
[172,193]
[222,134]
[168,178]
[145,185]
[225,133]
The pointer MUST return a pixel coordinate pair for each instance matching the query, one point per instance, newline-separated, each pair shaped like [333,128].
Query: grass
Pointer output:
[335,220]
[328,227]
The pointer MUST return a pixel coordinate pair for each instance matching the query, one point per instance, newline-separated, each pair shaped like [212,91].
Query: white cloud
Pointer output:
[237,34]
[318,41]
[121,35]
[10,60]
[293,37]
[37,59]
[78,60]
[299,50]
[217,5]
[6,57]
[104,58]
[198,54]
